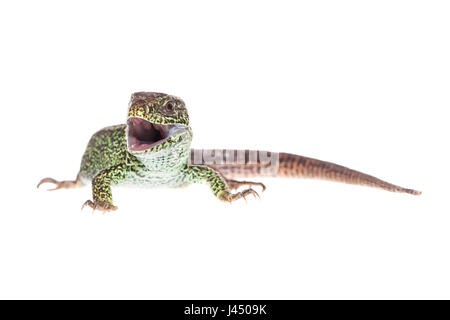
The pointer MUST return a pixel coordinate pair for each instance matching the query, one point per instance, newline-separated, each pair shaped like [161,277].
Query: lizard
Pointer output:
[153,148]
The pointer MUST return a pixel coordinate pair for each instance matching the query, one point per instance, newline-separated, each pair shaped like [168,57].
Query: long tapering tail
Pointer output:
[252,163]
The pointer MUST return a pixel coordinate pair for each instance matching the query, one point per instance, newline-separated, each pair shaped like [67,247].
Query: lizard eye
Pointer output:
[169,107]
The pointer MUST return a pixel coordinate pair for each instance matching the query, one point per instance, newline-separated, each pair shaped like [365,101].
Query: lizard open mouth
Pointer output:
[143,135]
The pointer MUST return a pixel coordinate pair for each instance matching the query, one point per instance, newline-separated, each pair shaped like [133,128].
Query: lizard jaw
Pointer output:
[144,135]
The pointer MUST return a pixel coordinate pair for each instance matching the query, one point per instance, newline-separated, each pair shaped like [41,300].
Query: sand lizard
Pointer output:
[154,149]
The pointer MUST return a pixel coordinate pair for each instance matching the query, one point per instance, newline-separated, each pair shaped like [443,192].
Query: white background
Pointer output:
[361,83]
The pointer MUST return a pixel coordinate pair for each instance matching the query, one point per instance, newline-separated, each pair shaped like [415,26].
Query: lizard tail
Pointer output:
[252,163]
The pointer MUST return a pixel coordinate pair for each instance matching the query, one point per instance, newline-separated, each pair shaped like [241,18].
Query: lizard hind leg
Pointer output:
[218,184]
[67,184]
[235,184]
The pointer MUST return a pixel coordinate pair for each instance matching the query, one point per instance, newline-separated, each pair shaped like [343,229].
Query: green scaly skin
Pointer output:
[110,160]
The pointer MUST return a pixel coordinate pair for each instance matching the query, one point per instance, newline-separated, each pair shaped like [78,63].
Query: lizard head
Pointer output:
[156,121]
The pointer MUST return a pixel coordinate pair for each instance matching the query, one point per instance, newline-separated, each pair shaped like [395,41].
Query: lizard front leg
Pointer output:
[218,184]
[101,187]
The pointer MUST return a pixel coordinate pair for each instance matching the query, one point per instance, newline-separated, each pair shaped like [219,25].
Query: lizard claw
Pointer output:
[49,180]
[101,206]
[234,184]
[60,184]
[245,193]
[230,197]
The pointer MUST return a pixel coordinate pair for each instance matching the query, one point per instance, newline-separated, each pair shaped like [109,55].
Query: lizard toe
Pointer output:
[100,206]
